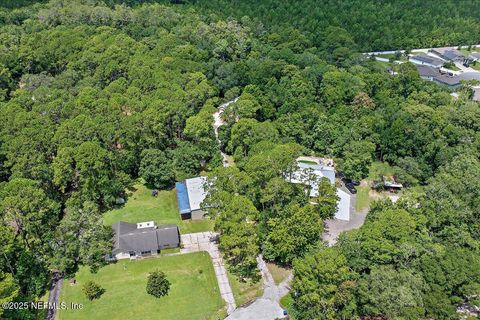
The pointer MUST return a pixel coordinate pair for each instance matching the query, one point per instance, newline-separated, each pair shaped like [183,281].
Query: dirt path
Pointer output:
[54,295]
[217,117]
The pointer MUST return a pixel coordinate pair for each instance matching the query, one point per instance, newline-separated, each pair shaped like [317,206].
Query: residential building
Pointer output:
[443,78]
[309,170]
[449,54]
[427,61]
[474,56]
[427,72]
[143,239]
[190,195]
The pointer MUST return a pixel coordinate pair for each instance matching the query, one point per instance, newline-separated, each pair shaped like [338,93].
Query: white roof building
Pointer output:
[343,211]
[310,169]
[196,191]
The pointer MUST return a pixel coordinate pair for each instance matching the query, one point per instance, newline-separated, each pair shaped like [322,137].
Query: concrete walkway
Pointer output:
[207,241]
[267,307]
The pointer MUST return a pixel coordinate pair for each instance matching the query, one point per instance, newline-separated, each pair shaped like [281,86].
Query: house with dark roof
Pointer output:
[190,195]
[143,239]
[435,75]
[427,72]
[427,61]
[449,54]
[474,56]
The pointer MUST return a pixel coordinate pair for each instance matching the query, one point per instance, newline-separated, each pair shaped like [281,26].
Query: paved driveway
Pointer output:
[206,241]
[334,226]
[267,307]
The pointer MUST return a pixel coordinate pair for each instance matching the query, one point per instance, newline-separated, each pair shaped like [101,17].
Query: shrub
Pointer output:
[158,284]
[92,290]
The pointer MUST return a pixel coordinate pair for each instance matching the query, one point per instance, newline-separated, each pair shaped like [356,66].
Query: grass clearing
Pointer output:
[163,209]
[451,66]
[307,161]
[278,273]
[362,198]
[287,303]
[392,56]
[194,292]
[244,292]
[466,52]
[230,160]
[364,195]
[475,66]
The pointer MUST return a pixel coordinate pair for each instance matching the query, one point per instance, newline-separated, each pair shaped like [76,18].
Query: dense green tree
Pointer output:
[88,169]
[389,238]
[292,233]
[87,89]
[238,237]
[28,213]
[395,294]
[247,132]
[8,289]
[156,169]
[326,202]
[81,238]
[324,286]
[358,156]
[158,284]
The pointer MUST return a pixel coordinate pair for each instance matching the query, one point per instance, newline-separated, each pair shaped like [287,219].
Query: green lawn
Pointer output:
[194,292]
[163,209]
[307,161]
[391,56]
[475,66]
[278,273]
[244,291]
[451,66]
[230,160]
[287,303]
[362,198]
[376,171]
[467,52]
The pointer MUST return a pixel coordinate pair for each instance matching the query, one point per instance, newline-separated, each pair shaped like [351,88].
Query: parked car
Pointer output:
[354,182]
[351,187]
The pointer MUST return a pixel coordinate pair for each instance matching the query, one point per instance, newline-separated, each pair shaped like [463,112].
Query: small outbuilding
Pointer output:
[190,195]
[389,183]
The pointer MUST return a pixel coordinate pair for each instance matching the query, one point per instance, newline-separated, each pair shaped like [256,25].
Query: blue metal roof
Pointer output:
[182,197]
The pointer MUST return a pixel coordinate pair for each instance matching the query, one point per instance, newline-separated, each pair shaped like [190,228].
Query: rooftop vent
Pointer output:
[148,224]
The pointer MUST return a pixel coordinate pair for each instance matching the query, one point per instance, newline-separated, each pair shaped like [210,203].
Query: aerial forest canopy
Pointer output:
[94,95]
[372,25]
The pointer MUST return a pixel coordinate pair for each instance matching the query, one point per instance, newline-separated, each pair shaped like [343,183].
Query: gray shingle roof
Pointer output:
[448,53]
[428,59]
[426,71]
[475,55]
[130,238]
